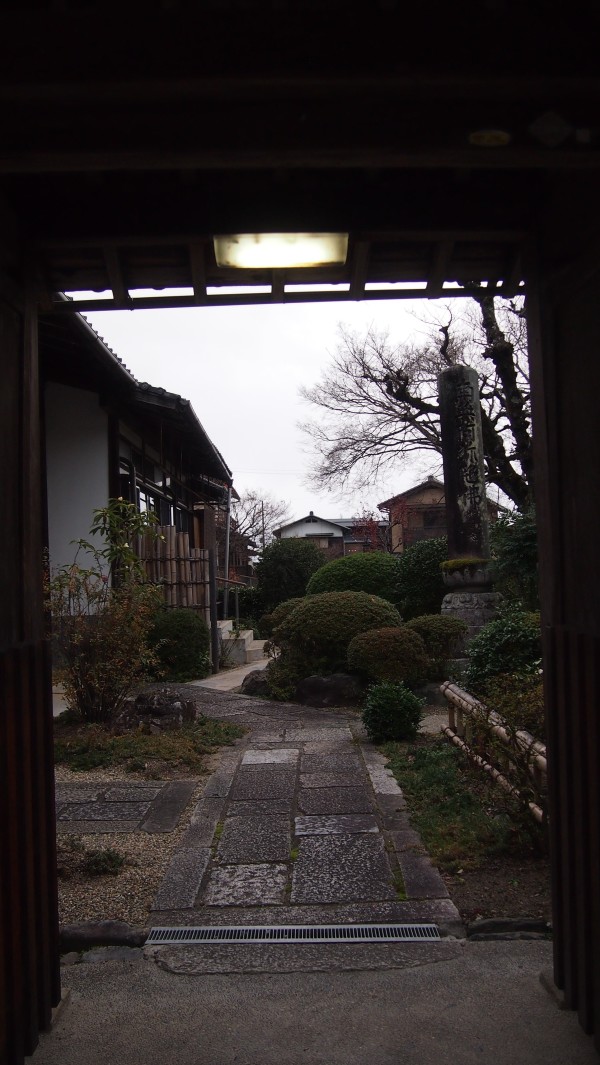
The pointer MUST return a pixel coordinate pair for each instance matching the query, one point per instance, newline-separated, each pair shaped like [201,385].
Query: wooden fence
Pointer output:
[181,570]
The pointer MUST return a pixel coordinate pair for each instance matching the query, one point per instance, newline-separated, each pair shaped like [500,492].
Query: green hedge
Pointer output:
[181,639]
[321,627]
[420,587]
[391,654]
[374,572]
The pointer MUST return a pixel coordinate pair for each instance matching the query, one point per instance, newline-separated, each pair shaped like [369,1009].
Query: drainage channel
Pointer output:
[389,933]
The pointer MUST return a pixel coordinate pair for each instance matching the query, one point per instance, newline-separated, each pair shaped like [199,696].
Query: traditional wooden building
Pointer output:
[447,145]
[337,537]
[419,513]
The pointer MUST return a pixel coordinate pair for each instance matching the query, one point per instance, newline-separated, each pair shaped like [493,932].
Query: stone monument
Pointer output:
[468,573]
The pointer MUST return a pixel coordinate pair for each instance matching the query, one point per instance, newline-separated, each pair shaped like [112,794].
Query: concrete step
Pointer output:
[225,626]
[256,651]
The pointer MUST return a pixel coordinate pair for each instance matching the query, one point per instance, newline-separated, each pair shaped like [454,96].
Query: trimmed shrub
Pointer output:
[420,588]
[391,712]
[181,640]
[442,636]
[512,643]
[394,654]
[268,622]
[285,569]
[321,627]
[374,572]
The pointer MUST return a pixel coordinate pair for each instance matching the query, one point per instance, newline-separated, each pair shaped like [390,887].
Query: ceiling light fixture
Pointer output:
[273,251]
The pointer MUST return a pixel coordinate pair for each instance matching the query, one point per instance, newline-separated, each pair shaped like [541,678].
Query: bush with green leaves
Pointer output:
[519,699]
[268,622]
[512,643]
[420,587]
[391,712]
[181,640]
[101,612]
[513,542]
[318,631]
[284,570]
[374,572]
[391,654]
[442,636]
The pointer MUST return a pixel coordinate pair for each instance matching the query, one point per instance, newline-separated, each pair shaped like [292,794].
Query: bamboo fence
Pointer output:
[181,571]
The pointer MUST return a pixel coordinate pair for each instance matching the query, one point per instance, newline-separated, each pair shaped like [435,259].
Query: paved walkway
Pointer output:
[301,824]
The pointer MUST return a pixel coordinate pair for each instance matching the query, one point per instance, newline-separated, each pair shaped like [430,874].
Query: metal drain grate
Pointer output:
[359,933]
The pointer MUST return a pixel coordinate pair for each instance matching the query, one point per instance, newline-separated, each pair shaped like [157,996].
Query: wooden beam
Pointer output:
[198,269]
[360,267]
[278,286]
[114,269]
[438,273]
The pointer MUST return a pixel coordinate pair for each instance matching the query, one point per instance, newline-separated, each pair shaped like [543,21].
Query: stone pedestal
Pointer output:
[474,607]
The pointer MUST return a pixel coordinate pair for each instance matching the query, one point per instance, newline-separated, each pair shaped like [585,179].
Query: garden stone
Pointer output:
[256,683]
[87,934]
[339,689]
[159,711]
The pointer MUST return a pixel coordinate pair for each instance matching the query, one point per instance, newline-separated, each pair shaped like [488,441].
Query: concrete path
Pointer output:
[229,679]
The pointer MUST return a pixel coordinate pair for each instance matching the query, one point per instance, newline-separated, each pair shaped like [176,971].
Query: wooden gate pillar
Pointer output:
[564,328]
[29,972]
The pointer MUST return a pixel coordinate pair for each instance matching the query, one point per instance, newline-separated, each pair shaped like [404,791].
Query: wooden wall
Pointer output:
[564,325]
[29,971]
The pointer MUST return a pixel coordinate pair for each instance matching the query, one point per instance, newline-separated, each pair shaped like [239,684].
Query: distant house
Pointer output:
[107,435]
[419,513]
[335,536]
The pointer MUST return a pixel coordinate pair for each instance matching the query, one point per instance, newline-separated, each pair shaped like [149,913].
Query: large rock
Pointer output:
[256,683]
[340,689]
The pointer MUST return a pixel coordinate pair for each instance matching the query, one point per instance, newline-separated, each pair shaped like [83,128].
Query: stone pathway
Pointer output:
[116,807]
[301,824]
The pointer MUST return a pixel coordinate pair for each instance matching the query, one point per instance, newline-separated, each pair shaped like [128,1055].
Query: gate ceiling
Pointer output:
[131,133]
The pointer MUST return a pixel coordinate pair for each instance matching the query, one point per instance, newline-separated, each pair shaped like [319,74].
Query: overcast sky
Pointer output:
[241,367]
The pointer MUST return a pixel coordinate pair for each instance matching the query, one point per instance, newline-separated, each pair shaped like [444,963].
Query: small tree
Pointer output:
[420,588]
[285,568]
[102,613]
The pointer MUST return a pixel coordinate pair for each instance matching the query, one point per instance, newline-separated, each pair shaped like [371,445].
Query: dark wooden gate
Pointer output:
[29,972]
[565,355]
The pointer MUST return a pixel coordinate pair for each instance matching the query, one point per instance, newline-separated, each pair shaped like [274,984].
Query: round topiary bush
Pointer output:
[420,586]
[268,622]
[181,639]
[512,643]
[374,572]
[391,654]
[317,633]
[442,636]
[391,712]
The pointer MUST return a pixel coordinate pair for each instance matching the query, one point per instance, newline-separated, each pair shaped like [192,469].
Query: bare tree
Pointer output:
[379,403]
[255,514]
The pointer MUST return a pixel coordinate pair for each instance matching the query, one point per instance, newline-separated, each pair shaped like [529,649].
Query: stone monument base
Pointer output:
[475,608]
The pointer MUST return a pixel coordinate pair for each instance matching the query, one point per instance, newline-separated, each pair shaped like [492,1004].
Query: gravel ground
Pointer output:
[128,895]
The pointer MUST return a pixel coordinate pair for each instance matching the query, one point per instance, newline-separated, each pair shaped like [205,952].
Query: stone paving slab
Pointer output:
[248,840]
[264,783]
[440,911]
[261,807]
[326,826]
[131,792]
[341,868]
[272,757]
[78,792]
[335,762]
[328,801]
[421,879]
[205,817]
[243,885]
[343,779]
[103,811]
[334,735]
[308,957]
[182,881]
[164,814]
